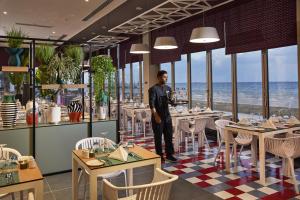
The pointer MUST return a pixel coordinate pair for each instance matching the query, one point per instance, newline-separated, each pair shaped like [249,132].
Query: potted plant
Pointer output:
[102,68]
[14,42]
[75,52]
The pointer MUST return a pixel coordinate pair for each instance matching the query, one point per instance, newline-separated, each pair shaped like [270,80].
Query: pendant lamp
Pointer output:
[139,48]
[165,43]
[204,35]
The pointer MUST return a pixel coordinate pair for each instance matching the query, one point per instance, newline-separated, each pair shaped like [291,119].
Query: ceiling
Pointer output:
[55,19]
[103,21]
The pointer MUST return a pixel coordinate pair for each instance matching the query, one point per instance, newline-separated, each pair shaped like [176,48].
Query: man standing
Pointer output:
[159,99]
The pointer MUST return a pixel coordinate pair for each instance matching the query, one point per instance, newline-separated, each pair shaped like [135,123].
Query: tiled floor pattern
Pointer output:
[198,168]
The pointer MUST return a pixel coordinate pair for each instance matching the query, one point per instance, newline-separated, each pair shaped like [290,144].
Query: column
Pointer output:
[189,80]
[209,78]
[234,88]
[131,82]
[265,83]
[150,70]
[141,79]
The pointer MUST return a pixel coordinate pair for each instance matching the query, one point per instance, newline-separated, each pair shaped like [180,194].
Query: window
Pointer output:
[167,68]
[136,80]
[127,81]
[249,84]
[199,85]
[181,77]
[283,81]
[221,77]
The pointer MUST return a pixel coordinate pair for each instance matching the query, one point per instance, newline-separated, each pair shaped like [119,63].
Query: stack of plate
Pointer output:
[9,114]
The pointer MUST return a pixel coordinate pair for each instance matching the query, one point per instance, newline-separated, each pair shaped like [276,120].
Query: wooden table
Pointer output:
[29,179]
[261,139]
[149,158]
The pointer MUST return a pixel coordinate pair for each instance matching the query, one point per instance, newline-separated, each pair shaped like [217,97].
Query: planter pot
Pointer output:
[29,113]
[75,111]
[54,114]
[75,116]
[9,111]
[14,56]
[102,112]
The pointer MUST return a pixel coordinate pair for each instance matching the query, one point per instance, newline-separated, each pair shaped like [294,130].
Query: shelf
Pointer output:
[63,86]
[14,69]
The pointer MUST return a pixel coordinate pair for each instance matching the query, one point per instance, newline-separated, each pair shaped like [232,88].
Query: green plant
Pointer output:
[18,37]
[75,53]
[102,68]
[44,53]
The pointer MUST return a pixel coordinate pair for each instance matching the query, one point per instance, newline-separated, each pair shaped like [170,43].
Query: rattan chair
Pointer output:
[158,189]
[286,148]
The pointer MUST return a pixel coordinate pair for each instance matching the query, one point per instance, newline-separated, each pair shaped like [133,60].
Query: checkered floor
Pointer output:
[198,168]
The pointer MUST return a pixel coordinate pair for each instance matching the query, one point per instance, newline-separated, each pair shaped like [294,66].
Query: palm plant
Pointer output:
[16,37]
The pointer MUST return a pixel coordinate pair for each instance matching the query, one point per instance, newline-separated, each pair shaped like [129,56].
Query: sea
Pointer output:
[281,94]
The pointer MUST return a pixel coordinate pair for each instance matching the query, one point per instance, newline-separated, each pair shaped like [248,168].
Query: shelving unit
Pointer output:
[14,69]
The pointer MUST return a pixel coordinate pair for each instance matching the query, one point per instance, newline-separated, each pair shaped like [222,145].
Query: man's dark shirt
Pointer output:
[159,98]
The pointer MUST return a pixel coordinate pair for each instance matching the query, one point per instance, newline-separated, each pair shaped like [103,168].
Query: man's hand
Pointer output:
[157,118]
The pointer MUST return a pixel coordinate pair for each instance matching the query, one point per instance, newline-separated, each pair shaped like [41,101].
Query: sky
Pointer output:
[282,66]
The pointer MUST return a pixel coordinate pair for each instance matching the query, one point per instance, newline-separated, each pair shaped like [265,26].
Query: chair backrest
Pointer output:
[200,124]
[30,196]
[8,153]
[284,147]
[87,143]
[159,189]
[184,125]
[220,125]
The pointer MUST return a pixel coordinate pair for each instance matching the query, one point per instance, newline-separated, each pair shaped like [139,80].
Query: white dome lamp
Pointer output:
[204,35]
[165,43]
[139,48]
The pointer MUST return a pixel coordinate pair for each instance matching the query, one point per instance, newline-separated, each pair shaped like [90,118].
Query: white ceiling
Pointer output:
[62,16]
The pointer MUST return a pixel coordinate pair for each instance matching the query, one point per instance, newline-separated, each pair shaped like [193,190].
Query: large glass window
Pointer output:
[221,77]
[181,76]
[136,80]
[199,83]
[167,68]
[127,81]
[249,84]
[283,81]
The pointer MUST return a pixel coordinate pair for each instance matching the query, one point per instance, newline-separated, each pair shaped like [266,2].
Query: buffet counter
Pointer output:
[54,143]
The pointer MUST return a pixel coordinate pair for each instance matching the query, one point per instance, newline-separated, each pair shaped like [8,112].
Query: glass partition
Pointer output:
[283,81]
[221,77]
[249,84]
[199,82]
[181,76]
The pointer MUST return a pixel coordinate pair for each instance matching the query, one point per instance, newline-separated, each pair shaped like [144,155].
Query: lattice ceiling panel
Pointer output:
[104,41]
[166,13]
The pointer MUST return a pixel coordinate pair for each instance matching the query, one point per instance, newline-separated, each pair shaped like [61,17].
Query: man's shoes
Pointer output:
[171,158]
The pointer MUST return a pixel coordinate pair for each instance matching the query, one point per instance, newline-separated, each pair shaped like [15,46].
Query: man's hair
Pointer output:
[160,73]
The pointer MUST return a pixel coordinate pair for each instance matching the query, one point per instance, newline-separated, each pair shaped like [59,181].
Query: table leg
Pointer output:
[254,151]
[262,160]
[39,190]
[227,150]
[130,179]
[74,179]
[93,187]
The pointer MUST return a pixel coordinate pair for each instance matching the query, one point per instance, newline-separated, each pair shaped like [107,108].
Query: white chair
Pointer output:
[8,153]
[287,148]
[158,189]
[241,139]
[30,196]
[88,143]
[144,117]
[198,128]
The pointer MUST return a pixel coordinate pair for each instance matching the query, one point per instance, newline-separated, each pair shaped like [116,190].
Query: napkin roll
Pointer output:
[269,124]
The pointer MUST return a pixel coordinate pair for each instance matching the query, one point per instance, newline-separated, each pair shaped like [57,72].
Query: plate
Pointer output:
[95,163]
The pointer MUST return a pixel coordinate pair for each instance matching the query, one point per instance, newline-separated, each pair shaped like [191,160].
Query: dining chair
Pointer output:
[144,117]
[241,139]
[30,196]
[158,189]
[8,153]
[198,127]
[88,143]
[287,148]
